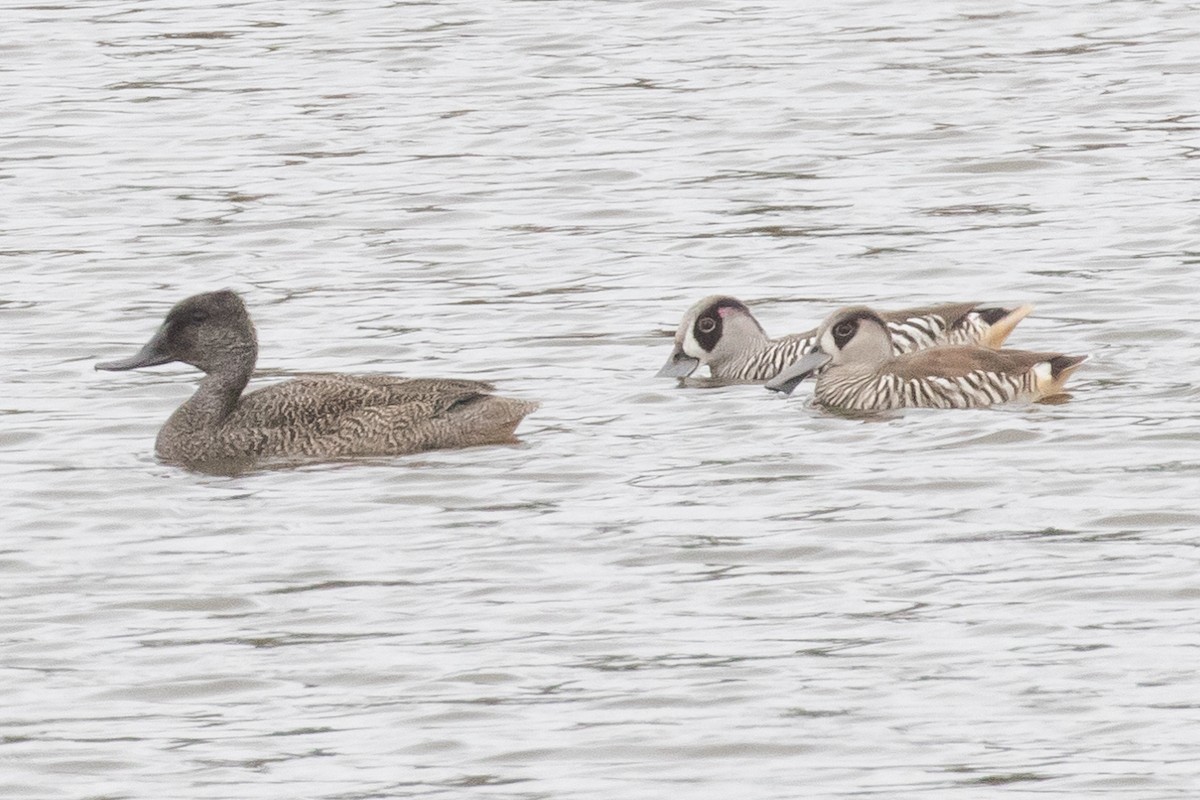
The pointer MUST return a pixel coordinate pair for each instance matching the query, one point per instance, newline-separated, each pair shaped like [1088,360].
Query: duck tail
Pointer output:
[1001,322]
[1052,374]
[495,419]
[1062,367]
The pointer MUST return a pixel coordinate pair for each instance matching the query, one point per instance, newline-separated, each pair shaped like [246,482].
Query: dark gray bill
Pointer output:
[679,365]
[787,380]
[154,353]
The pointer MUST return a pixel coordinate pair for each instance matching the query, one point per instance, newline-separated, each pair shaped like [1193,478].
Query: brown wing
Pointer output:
[316,399]
[957,361]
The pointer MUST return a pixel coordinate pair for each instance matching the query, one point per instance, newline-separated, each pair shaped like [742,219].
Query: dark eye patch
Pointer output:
[708,330]
[844,331]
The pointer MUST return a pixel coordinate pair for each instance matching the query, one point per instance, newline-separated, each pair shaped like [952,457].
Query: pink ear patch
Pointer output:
[724,311]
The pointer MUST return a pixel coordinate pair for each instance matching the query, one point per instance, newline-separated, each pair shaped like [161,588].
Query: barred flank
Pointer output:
[885,391]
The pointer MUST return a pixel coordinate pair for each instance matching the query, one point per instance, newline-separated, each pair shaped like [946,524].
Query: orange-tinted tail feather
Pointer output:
[1001,328]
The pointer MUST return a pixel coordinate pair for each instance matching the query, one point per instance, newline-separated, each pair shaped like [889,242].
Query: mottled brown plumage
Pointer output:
[322,416]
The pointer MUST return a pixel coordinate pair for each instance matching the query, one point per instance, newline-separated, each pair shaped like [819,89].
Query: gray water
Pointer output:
[661,592]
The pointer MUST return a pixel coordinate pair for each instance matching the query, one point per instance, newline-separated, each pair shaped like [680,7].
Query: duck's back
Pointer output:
[956,361]
[318,399]
[336,415]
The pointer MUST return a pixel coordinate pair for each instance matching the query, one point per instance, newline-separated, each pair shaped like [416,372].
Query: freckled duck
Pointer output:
[318,416]
[720,331]
[857,370]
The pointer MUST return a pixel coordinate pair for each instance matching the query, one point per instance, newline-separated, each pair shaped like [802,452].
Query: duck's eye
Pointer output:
[197,315]
[843,330]
[707,324]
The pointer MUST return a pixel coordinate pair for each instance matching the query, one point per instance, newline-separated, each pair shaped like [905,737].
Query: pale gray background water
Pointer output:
[662,592]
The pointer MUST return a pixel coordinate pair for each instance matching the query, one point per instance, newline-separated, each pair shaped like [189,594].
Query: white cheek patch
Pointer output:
[692,348]
[827,343]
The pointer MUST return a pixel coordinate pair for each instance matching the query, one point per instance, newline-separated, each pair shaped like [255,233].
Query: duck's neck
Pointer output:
[754,359]
[218,393]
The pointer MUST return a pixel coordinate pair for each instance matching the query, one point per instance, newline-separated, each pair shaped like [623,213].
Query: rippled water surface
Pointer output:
[662,591]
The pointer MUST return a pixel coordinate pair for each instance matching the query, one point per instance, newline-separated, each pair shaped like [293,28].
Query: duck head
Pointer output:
[210,331]
[853,335]
[715,331]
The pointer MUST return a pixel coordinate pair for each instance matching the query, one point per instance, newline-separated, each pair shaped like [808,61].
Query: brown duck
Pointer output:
[317,416]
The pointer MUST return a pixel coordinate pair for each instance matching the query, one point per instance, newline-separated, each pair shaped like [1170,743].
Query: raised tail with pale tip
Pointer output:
[1000,327]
